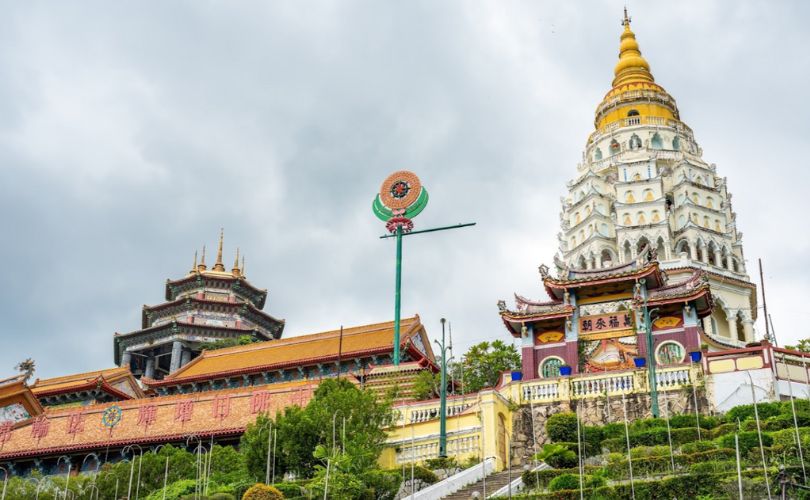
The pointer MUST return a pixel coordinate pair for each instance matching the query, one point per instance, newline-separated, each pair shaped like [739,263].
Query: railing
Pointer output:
[615,383]
[423,450]
[429,410]
[456,482]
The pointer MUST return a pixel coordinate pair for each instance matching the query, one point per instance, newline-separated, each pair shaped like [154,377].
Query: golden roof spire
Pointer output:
[202,267]
[632,67]
[219,266]
[235,271]
[243,265]
[194,267]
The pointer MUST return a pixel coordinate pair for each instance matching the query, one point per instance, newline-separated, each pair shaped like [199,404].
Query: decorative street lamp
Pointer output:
[401,198]
[650,350]
[443,397]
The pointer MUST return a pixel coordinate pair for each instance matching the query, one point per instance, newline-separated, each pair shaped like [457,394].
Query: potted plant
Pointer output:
[517,375]
[696,356]
[565,370]
[640,362]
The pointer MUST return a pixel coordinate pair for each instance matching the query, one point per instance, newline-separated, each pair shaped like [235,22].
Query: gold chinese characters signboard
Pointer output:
[609,325]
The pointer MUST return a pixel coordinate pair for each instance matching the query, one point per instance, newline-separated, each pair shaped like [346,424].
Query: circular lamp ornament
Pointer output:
[402,197]
[112,417]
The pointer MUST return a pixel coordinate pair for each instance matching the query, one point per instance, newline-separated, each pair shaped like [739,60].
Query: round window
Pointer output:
[669,353]
[550,368]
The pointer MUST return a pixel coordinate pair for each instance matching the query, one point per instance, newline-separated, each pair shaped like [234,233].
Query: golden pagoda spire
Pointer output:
[243,266]
[202,267]
[235,271]
[632,67]
[219,266]
[194,267]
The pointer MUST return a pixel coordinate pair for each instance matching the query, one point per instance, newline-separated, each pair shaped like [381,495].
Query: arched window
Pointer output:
[640,218]
[642,244]
[676,144]
[581,264]
[682,247]
[735,265]
[629,198]
[717,226]
[681,221]
[706,221]
[577,219]
[655,216]
[709,202]
[573,241]
[614,147]
[627,220]
[659,248]
[656,142]
[669,353]
[607,259]
[694,218]
[550,367]
[740,328]
[699,180]
[632,112]
[597,155]
[648,195]
[628,253]
[696,198]
[635,142]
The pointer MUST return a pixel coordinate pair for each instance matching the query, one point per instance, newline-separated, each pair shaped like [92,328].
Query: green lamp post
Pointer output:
[401,198]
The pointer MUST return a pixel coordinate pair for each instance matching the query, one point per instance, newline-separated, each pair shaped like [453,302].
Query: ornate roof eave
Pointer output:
[510,319]
[206,302]
[556,287]
[114,443]
[98,383]
[226,277]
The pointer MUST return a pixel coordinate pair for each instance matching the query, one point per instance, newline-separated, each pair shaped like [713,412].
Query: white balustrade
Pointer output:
[549,391]
[672,378]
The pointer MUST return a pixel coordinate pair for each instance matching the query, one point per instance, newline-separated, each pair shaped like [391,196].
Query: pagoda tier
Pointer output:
[114,384]
[207,305]
[595,318]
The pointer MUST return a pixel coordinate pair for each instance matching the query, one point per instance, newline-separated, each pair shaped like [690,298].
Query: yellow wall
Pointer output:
[644,109]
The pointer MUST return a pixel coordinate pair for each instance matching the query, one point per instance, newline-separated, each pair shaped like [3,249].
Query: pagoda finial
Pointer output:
[243,265]
[219,266]
[632,67]
[194,267]
[236,271]
[627,19]
[202,267]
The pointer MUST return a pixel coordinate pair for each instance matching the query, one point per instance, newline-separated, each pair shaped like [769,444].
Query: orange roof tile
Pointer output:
[78,381]
[301,350]
[150,420]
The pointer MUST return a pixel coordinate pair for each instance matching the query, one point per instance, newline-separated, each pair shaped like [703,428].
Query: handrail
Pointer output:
[516,485]
[457,481]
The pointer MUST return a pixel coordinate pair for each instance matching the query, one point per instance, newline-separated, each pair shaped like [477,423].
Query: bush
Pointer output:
[260,491]
[785,421]
[419,472]
[562,427]
[592,440]
[558,455]
[613,430]
[565,482]
[744,412]
[748,440]
[689,420]
[542,478]
[723,429]
[713,467]
[289,490]
[441,463]
[698,446]
[382,485]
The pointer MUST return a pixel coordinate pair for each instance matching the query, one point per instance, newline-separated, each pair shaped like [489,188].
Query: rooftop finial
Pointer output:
[627,19]
[632,67]
[243,265]
[219,266]
[194,267]
[235,271]
[201,267]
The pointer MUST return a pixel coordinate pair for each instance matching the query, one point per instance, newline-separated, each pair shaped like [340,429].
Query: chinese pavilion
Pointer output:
[643,182]
[595,322]
[205,306]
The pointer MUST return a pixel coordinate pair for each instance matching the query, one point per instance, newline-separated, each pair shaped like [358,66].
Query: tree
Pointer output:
[483,363]
[229,342]
[300,430]
[426,385]
[803,345]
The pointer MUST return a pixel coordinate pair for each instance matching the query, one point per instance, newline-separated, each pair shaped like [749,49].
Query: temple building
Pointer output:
[643,182]
[205,306]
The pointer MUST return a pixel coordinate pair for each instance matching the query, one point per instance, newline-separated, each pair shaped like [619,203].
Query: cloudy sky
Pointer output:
[130,133]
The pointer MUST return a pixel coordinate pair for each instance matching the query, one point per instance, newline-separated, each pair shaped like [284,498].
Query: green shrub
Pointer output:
[748,440]
[558,456]
[744,412]
[542,478]
[698,446]
[787,439]
[290,490]
[175,490]
[562,427]
[723,429]
[689,420]
[260,491]
[565,482]
[802,405]
[613,430]
[382,485]
[419,472]
[649,451]
[441,463]
[785,421]
[703,456]
[713,467]
[592,440]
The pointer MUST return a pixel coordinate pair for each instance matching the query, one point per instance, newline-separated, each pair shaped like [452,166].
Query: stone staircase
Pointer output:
[494,483]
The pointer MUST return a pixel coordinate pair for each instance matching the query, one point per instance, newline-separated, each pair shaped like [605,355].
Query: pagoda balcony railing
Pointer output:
[608,383]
